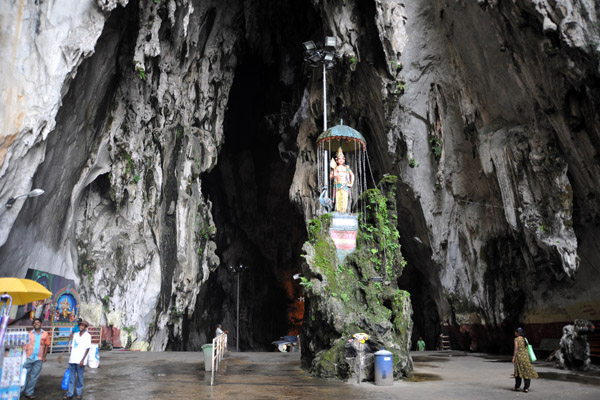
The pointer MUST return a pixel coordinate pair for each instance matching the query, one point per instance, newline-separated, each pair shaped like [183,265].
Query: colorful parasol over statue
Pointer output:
[341,164]
[343,136]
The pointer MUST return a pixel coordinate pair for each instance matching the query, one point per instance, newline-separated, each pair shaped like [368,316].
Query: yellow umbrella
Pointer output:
[23,291]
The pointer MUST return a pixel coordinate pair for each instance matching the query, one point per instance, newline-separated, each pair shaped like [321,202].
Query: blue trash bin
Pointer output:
[384,368]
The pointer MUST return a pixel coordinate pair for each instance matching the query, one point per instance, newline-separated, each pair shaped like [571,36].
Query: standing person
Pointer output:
[421,344]
[219,331]
[35,352]
[523,367]
[82,341]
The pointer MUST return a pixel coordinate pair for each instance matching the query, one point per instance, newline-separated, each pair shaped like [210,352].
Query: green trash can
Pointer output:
[207,350]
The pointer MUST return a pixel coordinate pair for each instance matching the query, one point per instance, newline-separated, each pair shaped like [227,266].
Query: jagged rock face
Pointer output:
[481,108]
[136,130]
[128,156]
[42,47]
[486,110]
[574,352]
[506,196]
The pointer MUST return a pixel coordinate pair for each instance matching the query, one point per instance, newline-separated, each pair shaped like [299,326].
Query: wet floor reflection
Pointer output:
[421,377]
[417,359]
[248,376]
[592,379]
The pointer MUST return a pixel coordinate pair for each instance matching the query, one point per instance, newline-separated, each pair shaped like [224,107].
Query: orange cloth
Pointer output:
[44,342]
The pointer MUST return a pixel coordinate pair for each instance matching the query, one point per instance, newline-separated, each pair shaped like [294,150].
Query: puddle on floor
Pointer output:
[557,376]
[494,356]
[419,377]
[424,359]
[425,365]
[437,356]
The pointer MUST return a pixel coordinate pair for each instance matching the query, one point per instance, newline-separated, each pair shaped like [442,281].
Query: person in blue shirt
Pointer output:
[75,328]
[35,350]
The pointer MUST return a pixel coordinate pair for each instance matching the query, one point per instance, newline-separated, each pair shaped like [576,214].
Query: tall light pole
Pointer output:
[324,55]
[237,271]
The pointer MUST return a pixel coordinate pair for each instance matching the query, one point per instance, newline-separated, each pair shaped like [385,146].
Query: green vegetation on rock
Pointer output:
[359,295]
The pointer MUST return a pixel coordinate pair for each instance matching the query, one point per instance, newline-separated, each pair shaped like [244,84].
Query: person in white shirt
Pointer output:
[219,331]
[82,342]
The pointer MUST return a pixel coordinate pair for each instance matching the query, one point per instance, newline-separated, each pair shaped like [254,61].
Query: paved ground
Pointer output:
[181,375]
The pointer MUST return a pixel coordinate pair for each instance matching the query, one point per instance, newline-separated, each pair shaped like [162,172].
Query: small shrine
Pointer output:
[342,156]
[66,307]
[61,309]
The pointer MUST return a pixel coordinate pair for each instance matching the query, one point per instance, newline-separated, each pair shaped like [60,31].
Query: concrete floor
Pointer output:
[181,375]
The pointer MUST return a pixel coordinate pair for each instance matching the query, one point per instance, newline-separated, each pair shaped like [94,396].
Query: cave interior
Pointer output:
[259,231]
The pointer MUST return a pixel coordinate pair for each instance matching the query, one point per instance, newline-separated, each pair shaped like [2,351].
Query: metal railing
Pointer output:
[219,346]
[444,342]
[59,337]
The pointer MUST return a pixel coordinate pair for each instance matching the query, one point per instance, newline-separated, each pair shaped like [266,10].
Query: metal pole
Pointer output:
[237,336]
[326,169]
[324,99]
[360,362]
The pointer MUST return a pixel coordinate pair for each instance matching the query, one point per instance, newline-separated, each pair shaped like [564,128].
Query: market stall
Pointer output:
[13,340]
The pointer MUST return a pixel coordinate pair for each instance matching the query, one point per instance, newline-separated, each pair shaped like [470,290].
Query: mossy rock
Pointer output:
[331,363]
[344,298]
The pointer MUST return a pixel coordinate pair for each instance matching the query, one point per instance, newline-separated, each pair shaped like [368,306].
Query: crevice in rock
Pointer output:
[369,42]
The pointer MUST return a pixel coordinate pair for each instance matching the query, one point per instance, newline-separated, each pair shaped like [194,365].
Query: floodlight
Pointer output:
[317,54]
[309,45]
[315,58]
[330,41]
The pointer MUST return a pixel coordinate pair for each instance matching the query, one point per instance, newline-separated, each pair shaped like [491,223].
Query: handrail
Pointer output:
[62,343]
[219,345]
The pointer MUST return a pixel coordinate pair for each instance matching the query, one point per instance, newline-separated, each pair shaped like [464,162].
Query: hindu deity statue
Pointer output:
[65,308]
[343,181]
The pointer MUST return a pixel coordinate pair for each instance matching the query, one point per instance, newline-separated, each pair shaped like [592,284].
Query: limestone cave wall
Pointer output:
[175,139]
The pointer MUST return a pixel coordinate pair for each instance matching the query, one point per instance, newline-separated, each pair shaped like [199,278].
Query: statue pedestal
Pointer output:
[343,231]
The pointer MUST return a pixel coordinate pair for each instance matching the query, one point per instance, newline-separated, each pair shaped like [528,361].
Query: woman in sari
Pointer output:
[523,368]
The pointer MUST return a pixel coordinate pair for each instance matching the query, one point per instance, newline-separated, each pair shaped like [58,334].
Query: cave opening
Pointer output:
[426,322]
[257,225]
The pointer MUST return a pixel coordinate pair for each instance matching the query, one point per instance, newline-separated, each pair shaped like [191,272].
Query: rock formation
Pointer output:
[574,350]
[358,295]
[175,138]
